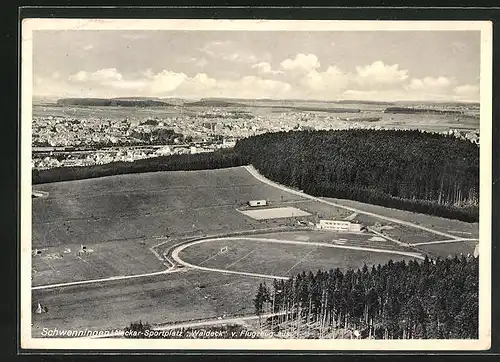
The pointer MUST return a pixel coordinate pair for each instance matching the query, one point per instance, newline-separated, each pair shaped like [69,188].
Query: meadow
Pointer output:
[146,205]
[161,299]
[446,250]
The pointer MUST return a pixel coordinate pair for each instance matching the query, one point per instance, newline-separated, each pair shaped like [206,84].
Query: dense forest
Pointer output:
[411,170]
[199,161]
[433,299]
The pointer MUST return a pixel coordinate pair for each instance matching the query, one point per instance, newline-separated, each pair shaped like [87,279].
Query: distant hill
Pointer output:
[213,103]
[347,101]
[113,102]
[410,110]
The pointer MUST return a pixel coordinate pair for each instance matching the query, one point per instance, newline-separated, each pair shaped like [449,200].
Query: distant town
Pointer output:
[64,141]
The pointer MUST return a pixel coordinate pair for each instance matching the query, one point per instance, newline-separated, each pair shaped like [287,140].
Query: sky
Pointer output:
[319,65]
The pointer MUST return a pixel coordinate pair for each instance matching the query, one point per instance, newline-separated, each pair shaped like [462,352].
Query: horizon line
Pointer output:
[265,99]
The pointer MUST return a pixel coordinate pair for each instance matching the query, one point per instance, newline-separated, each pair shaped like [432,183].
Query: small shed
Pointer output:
[254,203]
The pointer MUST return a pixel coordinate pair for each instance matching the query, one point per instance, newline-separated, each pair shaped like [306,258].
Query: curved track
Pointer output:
[178,249]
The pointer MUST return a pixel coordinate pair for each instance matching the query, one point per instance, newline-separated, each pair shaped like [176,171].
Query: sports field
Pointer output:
[284,257]
[274,213]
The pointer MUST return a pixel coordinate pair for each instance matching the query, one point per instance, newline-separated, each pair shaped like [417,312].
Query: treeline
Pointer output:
[157,136]
[187,162]
[433,299]
[410,110]
[411,170]
[103,102]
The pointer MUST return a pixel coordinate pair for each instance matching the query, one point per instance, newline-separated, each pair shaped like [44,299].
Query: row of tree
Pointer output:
[412,170]
[433,299]
[187,162]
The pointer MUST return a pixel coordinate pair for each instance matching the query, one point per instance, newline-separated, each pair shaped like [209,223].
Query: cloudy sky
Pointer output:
[383,65]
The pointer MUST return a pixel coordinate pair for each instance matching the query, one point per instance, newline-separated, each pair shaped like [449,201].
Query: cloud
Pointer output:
[430,83]
[227,50]
[201,63]
[326,84]
[310,80]
[80,76]
[379,75]
[265,68]
[106,74]
[239,57]
[110,82]
[88,47]
[301,63]
[300,76]
[101,75]
[213,48]
[166,81]
[467,92]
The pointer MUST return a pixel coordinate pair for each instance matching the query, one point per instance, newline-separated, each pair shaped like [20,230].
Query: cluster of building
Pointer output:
[52,159]
[103,140]
[55,131]
[323,224]
[472,136]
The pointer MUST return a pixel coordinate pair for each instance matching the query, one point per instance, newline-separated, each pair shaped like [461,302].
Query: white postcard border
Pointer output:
[485,27]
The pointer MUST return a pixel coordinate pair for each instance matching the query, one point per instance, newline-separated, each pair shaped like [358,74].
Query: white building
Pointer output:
[164,151]
[338,225]
[257,203]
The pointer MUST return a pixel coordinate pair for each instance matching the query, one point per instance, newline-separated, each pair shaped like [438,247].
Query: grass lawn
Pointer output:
[159,299]
[109,259]
[278,259]
[148,205]
[449,249]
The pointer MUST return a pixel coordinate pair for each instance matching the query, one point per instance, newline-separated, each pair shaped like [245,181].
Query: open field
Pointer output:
[64,264]
[147,205]
[156,300]
[449,249]
[273,258]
